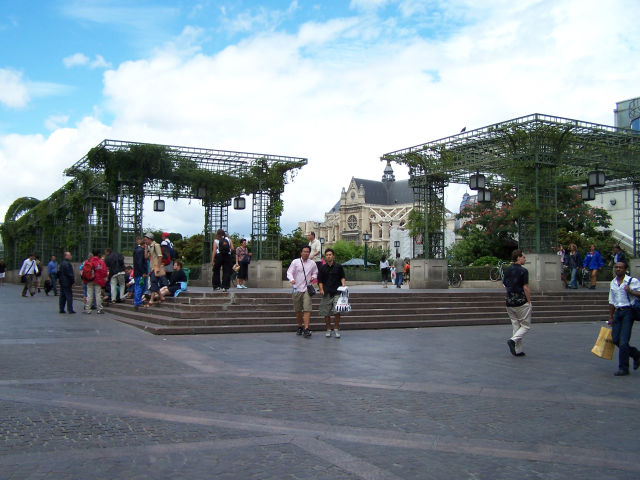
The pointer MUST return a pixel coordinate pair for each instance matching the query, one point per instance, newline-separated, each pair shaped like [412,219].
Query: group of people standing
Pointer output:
[592,262]
[396,273]
[222,261]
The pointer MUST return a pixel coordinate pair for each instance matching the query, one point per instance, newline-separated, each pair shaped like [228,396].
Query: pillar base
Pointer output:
[544,272]
[428,273]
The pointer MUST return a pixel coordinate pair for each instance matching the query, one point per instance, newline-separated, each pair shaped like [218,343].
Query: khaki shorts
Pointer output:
[302,302]
[328,305]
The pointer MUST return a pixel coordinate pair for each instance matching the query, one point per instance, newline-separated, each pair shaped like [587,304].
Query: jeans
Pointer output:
[399,279]
[66,298]
[54,279]
[621,335]
[138,288]
[573,283]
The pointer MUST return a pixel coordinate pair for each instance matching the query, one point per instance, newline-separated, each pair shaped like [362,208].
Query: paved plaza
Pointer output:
[85,397]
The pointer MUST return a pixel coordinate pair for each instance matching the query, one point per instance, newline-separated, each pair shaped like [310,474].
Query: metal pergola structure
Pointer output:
[531,152]
[115,220]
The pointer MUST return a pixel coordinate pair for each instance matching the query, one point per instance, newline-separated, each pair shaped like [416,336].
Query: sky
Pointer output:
[338,83]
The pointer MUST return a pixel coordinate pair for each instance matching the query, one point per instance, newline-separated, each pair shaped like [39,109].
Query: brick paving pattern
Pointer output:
[88,397]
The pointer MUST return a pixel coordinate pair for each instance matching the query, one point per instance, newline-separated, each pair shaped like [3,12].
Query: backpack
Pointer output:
[167,254]
[88,271]
[223,246]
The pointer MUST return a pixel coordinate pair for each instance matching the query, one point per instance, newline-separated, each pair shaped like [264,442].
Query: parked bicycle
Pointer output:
[497,273]
[455,278]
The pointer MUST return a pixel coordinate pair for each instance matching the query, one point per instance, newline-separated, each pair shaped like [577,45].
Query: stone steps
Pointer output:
[271,312]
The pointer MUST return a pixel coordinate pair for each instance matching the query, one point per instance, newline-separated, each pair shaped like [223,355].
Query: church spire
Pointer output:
[388,175]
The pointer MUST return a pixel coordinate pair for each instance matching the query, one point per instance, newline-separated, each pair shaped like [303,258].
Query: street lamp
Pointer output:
[365,238]
[397,245]
[321,245]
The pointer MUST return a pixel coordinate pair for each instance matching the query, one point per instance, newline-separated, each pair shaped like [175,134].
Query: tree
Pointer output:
[491,229]
[290,246]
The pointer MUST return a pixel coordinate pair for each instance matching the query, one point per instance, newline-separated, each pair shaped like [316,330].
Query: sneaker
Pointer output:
[299,331]
[99,312]
[87,312]
[328,334]
[337,332]
[239,286]
[244,286]
[307,333]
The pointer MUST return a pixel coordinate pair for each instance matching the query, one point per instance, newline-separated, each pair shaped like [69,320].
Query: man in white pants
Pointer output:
[518,300]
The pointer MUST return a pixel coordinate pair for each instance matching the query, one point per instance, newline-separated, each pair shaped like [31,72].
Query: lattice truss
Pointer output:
[388,214]
[110,220]
[530,152]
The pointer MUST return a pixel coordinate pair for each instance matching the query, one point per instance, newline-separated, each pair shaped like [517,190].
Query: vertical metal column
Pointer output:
[216,215]
[636,217]
[128,206]
[259,224]
[538,232]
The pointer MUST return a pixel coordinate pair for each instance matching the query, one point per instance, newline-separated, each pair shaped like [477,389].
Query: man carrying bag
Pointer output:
[622,294]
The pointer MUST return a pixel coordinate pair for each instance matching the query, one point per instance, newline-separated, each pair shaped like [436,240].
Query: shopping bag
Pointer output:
[342,305]
[604,344]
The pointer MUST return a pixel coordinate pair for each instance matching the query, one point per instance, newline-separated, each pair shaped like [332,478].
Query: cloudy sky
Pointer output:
[339,83]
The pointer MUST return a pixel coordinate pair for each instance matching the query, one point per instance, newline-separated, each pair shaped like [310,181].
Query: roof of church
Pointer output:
[383,193]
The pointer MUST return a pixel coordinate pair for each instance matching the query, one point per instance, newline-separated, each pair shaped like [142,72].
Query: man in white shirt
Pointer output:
[623,292]
[316,248]
[29,270]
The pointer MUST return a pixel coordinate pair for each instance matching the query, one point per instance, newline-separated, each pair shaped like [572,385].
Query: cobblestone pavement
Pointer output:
[84,397]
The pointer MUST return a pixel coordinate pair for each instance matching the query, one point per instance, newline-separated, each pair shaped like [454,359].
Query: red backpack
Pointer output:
[88,272]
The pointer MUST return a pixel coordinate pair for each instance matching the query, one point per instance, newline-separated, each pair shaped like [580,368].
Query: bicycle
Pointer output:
[497,273]
[455,278]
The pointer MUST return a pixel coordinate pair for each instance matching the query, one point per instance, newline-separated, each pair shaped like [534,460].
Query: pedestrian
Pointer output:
[168,255]
[518,300]
[617,256]
[385,270]
[115,264]
[316,249]
[94,276]
[67,279]
[573,261]
[330,277]
[139,272]
[177,279]
[52,270]
[300,274]
[622,294]
[243,258]
[3,271]
[398,264]
[156,269]
[38,273]
[28,274]
[221,259]
[594,262]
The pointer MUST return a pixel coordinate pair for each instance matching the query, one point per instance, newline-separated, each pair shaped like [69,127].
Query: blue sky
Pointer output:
[339,83]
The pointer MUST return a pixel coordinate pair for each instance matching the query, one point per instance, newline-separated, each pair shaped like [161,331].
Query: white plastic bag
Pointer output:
[343,302]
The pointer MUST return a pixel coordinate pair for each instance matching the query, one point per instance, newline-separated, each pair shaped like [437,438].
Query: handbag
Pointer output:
[604,344]
[310,290]
[236,268]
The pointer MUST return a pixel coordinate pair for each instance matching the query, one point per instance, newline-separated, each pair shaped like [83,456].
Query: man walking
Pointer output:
[52,270]
[330,277]
[28,272]
[518,300]
[94,276]
[398,264]
[622,293]
[316,249]
[300,274]
[115,264]
[139,271]
[67,279]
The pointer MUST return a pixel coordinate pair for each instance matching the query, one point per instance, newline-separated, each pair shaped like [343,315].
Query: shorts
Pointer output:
[302,302]
[157,282]
[328,305]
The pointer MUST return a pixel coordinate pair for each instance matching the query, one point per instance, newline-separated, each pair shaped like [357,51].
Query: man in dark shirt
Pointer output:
[139,270]
[518,300]
[67,279]
[115,264]
[330,277]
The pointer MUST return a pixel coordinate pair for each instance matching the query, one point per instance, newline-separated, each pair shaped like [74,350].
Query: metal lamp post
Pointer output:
[365,238]
[321,245]
[397,245]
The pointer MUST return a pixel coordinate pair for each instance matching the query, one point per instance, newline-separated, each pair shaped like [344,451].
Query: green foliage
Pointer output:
[290,246]
[484,261]
[189,249]
[475,243]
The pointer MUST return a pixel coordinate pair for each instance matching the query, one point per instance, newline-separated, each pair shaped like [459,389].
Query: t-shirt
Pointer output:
[515,278]
[330,277]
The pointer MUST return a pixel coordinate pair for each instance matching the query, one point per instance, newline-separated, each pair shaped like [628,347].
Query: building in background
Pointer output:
[379,208]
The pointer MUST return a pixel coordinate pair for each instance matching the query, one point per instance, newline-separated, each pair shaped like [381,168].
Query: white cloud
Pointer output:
[80,59]
[53,122]
[13,91]
[75,60]
[346,91]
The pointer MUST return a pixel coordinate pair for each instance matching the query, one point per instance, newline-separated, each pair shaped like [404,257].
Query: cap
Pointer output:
[149,235]
[165,234]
